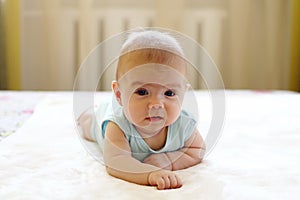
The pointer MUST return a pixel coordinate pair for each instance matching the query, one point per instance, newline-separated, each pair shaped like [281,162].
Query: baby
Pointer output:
[145,135]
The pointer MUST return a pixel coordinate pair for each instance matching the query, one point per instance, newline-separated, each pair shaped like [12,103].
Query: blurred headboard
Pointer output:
[58,35]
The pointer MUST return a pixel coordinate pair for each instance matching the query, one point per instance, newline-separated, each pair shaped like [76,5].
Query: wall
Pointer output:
[248,40]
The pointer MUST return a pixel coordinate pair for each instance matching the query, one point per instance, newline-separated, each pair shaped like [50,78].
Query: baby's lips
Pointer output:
[154,118]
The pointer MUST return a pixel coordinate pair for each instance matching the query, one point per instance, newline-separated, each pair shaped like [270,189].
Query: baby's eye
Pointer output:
[141,92]
[169,93]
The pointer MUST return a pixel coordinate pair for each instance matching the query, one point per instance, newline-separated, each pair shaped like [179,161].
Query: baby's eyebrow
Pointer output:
[174,85]
[137,83]
[167,85]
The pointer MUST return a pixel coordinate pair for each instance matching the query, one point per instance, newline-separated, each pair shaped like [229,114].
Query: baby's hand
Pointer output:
[164,179]
[160,160]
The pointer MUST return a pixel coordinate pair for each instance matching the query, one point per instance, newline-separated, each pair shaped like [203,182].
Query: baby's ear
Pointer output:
[117,91]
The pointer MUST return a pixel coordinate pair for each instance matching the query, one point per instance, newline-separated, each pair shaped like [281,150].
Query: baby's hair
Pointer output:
[150,39]
[153,46]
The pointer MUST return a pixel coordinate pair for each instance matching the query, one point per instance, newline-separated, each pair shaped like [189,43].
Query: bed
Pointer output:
[256,157]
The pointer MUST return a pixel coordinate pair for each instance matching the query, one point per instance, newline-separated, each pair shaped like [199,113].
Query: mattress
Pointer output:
[256,156]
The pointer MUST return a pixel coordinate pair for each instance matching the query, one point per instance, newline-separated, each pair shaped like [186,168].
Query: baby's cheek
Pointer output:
[133,113]
[175,106]
[173,114]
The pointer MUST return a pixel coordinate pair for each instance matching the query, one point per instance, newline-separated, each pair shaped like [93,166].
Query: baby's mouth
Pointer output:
[154,118]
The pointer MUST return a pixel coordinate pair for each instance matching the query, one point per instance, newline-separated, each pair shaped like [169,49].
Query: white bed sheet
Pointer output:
[257,156]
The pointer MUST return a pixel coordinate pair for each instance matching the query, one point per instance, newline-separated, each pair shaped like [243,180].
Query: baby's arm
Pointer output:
[191,154]
[119,163]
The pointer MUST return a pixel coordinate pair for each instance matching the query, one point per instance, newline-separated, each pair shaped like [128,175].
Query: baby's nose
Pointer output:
[156,103]
[156,106]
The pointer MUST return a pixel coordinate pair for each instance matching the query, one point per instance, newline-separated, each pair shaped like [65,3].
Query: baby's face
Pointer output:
[152,95]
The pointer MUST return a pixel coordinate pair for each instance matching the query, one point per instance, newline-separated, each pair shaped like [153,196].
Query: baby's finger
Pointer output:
[167,182]
[173,181]
[160,184]
[179,182]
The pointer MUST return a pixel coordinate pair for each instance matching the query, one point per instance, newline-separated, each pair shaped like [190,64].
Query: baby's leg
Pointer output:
[85,121]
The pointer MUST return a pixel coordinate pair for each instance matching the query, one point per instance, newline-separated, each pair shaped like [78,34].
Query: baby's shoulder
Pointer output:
[187,115]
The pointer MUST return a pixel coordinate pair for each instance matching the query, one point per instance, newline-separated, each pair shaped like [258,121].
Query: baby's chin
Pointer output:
[150,130]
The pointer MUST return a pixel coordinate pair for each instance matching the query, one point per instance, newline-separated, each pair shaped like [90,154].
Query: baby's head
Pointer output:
[150,47]
[150,80]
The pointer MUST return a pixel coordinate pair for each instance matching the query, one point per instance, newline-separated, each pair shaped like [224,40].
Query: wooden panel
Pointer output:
[12,34]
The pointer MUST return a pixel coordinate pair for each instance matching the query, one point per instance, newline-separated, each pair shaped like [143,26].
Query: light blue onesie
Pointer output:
[178,132]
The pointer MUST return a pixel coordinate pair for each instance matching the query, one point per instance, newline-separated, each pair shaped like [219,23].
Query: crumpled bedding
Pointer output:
[257,156]
[15,109]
